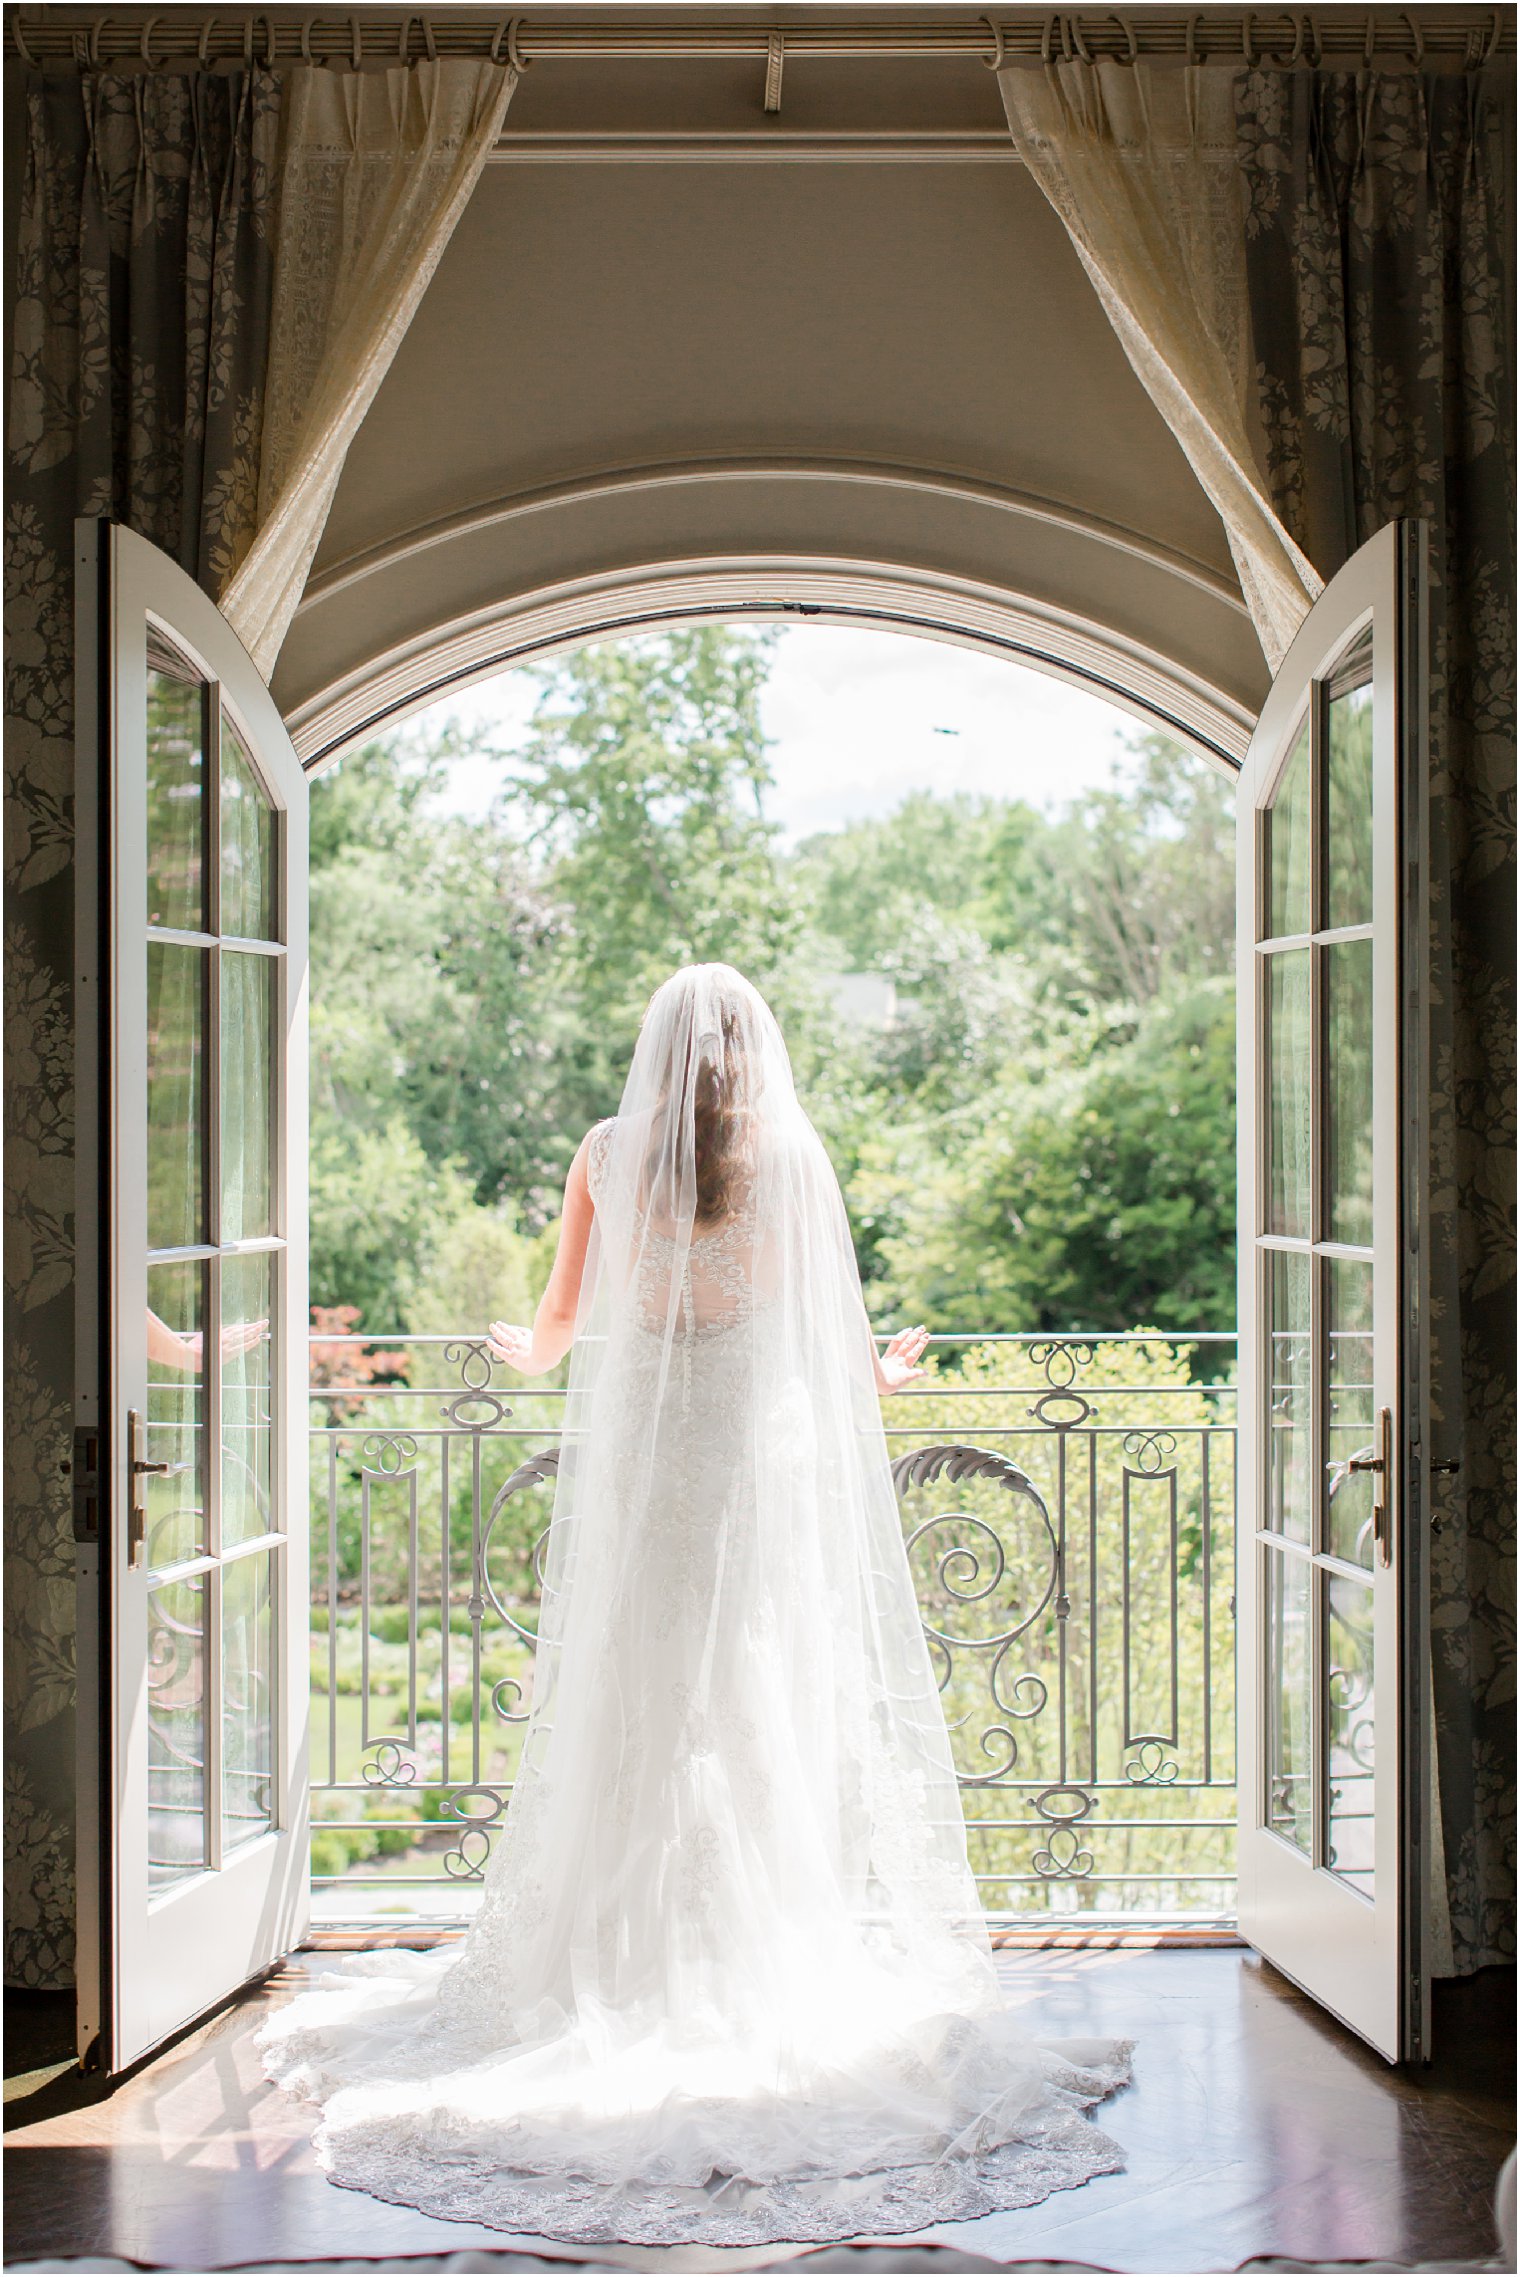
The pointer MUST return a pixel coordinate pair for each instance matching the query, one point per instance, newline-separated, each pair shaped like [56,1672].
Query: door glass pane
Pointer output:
[247,844]
[176,1417]
[247,1698]
[176,802]
[1348,983]
[1350,1833]
[1348,826]
[176,1730]
[176,1121]
[1290,1771]
[1288,1472]
[247,1425]
[1287,849]
[1288,1072]
[247,1094]
[1349,1423]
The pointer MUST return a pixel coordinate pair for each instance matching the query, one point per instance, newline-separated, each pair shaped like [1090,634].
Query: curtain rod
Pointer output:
[184,34]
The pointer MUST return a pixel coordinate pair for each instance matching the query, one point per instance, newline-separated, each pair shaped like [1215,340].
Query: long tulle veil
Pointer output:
[730,1979]
[799,1537]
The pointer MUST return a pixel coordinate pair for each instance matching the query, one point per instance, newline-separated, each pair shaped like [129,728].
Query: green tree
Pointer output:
[1093,1196]
[642,788]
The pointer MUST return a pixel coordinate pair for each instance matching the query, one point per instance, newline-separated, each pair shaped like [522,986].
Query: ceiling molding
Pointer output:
[413,673]
[942,483]
[748,146]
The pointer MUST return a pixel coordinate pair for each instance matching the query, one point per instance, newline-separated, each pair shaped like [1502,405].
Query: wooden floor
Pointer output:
[1254,2126]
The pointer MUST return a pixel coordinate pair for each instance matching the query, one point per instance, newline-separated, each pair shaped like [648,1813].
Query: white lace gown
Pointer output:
[729,1982]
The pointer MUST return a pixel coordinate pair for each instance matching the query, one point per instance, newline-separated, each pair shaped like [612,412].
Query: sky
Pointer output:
[859,718]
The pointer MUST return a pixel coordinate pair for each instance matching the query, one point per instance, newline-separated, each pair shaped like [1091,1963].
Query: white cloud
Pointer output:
[860,718]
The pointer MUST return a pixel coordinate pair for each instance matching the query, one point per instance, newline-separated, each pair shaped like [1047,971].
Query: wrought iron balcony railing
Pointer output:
[1069,1512]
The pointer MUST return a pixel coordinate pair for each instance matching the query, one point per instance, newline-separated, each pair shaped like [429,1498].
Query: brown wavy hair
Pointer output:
[722,1124]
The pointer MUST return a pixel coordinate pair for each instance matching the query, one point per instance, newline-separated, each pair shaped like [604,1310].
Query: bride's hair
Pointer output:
[708,1016]
[721,1121]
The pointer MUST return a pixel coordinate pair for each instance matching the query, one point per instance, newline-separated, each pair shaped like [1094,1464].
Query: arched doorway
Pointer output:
[1133,1818]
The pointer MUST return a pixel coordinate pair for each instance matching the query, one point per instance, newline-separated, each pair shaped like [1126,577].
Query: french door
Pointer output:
[1332,1581]
[190,1485]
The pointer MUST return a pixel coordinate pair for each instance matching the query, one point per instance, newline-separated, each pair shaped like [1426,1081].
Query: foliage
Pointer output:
[1040,1134]
[1101,1195]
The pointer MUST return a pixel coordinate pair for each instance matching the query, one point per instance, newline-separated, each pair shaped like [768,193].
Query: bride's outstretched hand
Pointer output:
[512,1346]
[897,1364]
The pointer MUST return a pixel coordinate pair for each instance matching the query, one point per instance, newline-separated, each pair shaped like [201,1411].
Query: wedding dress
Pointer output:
[729,1982]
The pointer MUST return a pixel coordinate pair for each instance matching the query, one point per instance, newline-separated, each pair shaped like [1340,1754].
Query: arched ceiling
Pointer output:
[651,373]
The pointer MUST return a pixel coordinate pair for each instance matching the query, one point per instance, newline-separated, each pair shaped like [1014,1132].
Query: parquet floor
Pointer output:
[1255,2126]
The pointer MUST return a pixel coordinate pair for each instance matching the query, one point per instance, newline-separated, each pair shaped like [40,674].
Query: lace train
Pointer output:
[420,2111]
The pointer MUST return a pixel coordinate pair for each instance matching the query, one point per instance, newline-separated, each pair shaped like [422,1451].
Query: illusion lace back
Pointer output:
[729,1982]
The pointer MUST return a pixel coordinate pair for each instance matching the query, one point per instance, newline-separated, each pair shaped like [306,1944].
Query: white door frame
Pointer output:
[1364,1961]
[148,1967]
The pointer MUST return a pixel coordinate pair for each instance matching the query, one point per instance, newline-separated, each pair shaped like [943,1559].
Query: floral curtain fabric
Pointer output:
[215,269]
[376,170]
[145,272]
[1139,161]
[1377,275]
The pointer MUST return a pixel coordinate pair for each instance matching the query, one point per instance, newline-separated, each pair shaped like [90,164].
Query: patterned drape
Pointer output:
[1139,160]
[1379,305]
[146,264]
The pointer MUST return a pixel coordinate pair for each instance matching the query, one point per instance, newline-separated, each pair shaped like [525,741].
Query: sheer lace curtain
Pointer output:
[1139,161]
[377,168]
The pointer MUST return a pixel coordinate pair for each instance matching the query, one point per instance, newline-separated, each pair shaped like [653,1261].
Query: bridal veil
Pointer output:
[730,1981]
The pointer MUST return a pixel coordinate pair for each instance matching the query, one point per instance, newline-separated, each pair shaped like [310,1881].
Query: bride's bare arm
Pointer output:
[533,1351]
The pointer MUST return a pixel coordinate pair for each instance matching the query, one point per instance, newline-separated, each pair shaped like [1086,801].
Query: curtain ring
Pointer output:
[203,44]
[271,41]
[19,37]
[1192,39]
[356,42]
[306,54]
[248,41]
[1493,37]
[1082,47]
[1296,25]
[997,59]
[404,43]
[144,49]
[1248,39]
[1369,44]
[432,44]
[1416,38]
[1045,40]
[515,56]
[92,42]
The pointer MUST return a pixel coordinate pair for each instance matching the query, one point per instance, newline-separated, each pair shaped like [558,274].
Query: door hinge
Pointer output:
[85,1470]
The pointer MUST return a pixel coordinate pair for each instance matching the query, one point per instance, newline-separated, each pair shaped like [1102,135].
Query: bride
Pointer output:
[729,1982]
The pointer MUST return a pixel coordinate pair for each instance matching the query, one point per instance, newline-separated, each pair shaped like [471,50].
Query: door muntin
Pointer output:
[1322,1311]
[201,834]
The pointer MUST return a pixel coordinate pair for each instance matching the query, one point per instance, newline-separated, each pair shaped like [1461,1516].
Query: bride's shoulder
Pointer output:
[597,1148]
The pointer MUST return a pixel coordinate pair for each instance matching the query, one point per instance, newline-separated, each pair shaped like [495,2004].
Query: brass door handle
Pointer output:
[139,1468]
[1381,1466]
